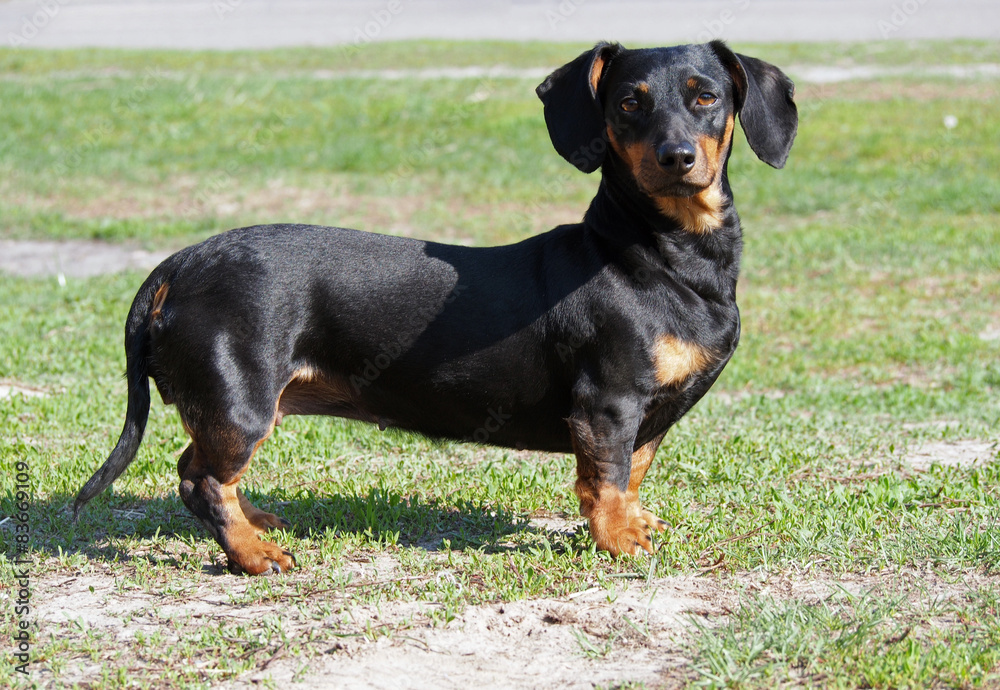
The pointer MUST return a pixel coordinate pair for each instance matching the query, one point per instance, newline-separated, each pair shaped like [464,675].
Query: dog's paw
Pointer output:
[263,558]
[261,520]
[631,538]
[624,534]
[652,521]
[618,523]
[266,522]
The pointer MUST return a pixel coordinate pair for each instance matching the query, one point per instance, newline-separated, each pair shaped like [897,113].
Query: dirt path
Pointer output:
[635,633]
[640,632]
[597,639]
[74,258]
[229,24]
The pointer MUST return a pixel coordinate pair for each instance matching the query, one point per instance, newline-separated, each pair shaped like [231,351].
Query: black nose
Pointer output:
[676,157]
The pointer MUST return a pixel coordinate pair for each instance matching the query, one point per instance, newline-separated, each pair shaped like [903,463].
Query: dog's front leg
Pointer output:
[609,472]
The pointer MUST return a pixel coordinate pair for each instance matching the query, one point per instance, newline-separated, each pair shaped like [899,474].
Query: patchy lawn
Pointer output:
[833,501]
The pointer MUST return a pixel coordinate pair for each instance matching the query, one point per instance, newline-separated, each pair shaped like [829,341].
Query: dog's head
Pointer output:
[666,115]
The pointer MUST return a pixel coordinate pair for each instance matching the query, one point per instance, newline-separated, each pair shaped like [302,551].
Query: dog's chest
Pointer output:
[676,362]
[682,372]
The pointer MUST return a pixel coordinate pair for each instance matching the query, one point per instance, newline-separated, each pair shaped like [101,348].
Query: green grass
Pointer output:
[855,640]
[871,270]
[428,54]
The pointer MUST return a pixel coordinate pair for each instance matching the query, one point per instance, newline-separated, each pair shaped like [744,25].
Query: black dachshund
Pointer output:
[592,338]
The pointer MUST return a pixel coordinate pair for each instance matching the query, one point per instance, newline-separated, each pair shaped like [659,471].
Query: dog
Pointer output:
[593,338]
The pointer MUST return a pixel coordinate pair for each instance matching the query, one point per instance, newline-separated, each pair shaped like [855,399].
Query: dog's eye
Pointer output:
[630,105]
[707,99]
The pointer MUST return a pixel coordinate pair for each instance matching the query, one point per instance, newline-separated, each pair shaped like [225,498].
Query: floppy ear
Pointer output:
[764,101]
[573,111]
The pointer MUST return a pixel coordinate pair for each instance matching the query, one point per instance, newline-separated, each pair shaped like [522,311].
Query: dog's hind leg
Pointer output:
[210,469]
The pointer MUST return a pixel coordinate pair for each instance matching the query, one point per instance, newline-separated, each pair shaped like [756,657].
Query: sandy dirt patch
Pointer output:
[633,630]
[73,258]
[8,389]
[951,454]
[639,632]
[597,638]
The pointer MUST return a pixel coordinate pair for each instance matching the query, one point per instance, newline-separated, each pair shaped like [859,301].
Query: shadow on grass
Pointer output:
[380,516]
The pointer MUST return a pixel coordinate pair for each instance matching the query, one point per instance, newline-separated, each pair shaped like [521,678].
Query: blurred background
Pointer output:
[226,24]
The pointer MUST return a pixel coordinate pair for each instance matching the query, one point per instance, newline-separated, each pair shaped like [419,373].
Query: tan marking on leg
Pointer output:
[310,391]
[641,460]
[260,519]
[618,524]
[612,526]
[220,508]
[676,360]
[243,546]
[608,516]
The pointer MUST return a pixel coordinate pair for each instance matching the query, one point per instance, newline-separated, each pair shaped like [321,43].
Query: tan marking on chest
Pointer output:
[676,360]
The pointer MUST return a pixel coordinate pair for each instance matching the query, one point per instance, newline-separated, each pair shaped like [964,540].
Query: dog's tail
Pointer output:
[145,309]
